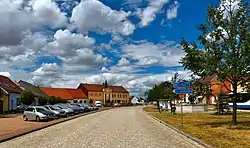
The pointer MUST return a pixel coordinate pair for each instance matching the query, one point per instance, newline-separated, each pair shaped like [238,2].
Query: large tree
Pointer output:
[224,46]
[27,97]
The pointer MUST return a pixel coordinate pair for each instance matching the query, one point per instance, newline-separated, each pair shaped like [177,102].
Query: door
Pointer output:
[1,106]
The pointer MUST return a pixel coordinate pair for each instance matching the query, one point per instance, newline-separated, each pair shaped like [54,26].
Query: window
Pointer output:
[30,109]
[75,101]
[80,101]
[100,94]
[95,94]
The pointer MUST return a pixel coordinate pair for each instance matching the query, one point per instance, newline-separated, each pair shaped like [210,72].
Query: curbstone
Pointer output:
[179,131]
[55,123]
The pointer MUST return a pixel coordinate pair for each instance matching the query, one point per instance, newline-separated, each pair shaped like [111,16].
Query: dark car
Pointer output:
[21,108]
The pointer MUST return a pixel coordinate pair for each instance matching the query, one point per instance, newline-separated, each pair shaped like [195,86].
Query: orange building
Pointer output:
[97,92]
[216,86]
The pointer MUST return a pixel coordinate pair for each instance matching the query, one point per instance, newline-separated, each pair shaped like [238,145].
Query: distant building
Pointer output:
[33,89]
[105,93]
[11,94]
[68,94]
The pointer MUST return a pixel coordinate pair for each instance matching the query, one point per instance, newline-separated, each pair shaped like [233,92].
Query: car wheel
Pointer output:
[25,118]
[37,118]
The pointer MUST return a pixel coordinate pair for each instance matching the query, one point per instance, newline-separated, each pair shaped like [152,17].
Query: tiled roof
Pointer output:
[99,88]
[207,79]
[64,93]
[57,92]
[8,85]
[77,93]
[93,87]
[35,90]
[118,89]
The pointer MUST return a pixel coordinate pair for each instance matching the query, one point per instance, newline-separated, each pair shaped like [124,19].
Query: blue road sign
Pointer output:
[183,91]
[181,84]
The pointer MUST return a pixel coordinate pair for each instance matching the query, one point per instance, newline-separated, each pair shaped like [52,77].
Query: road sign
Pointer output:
[183,91]
[181,85]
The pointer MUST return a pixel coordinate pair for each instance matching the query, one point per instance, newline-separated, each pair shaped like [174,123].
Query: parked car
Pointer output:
[58,112]
[75,109]
[68,110]
[94,107]
[81,108]
[37,113]
[20,108]
[98,104]
[116,105]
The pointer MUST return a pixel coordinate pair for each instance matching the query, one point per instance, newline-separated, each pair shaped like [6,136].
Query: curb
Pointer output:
[43,127]
[180,132]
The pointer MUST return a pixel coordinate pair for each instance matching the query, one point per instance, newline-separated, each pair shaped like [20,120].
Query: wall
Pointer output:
[79,101]
[191,108]
[13,96]
[124,97]
[5,103]
[95,96]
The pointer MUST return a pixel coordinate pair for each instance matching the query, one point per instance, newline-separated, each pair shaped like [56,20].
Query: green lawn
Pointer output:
[214,130]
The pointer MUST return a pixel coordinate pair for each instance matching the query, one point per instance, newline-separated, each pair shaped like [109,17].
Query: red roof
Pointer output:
[64,93]
[99,88]
[93,87]
[207,79]
[77,93]
[118,89]
[9,86]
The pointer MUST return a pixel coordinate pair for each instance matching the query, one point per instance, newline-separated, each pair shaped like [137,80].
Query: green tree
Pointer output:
[43,100]
[54,100]
[226,47]
[27,97]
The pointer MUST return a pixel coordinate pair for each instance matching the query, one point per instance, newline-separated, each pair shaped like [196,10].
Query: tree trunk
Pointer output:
[234,99]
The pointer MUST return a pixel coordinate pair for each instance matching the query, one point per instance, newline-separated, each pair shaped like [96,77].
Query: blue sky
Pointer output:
[134,43]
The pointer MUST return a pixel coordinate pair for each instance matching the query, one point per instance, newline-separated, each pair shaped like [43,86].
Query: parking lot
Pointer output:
[15,125]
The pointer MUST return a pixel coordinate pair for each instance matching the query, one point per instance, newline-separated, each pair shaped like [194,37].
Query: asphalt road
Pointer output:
[127,127]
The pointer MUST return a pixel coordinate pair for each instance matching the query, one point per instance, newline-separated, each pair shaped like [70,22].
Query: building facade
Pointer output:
[11,94]
[105,93]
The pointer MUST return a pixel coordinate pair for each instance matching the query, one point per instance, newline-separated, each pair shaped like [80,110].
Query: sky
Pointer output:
[62,43]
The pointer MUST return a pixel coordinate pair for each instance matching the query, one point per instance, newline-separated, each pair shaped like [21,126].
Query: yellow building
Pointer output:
[105,93]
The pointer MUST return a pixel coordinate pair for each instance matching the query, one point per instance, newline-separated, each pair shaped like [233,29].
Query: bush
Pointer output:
[54,100]
[27,97]
[43,100]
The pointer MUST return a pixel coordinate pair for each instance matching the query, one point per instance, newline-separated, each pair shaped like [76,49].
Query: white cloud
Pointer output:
[148,14]
[93,15]
[65,43]
[229,5]
[47,74]
[47,13]
[123,62]
[147,53]
[173,10]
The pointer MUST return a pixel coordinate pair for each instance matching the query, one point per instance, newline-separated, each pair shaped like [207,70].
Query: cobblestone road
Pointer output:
[127,127]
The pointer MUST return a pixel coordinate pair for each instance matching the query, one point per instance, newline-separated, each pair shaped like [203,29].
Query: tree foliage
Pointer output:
[43,100]
[27,97]
[163,91]
[226,47]
[54,100]
[191,99]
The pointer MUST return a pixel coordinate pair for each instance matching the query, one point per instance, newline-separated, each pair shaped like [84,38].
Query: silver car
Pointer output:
[37,113]
[58,112]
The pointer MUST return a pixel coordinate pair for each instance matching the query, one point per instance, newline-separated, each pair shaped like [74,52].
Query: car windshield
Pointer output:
[54,107]
[38,109]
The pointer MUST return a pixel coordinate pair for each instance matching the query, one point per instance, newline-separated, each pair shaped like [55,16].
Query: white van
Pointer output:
[98,103]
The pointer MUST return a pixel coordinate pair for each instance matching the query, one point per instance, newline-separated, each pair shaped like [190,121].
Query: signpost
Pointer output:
[182,88]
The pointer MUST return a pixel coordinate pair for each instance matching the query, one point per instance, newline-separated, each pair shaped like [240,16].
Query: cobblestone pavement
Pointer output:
[127,127]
